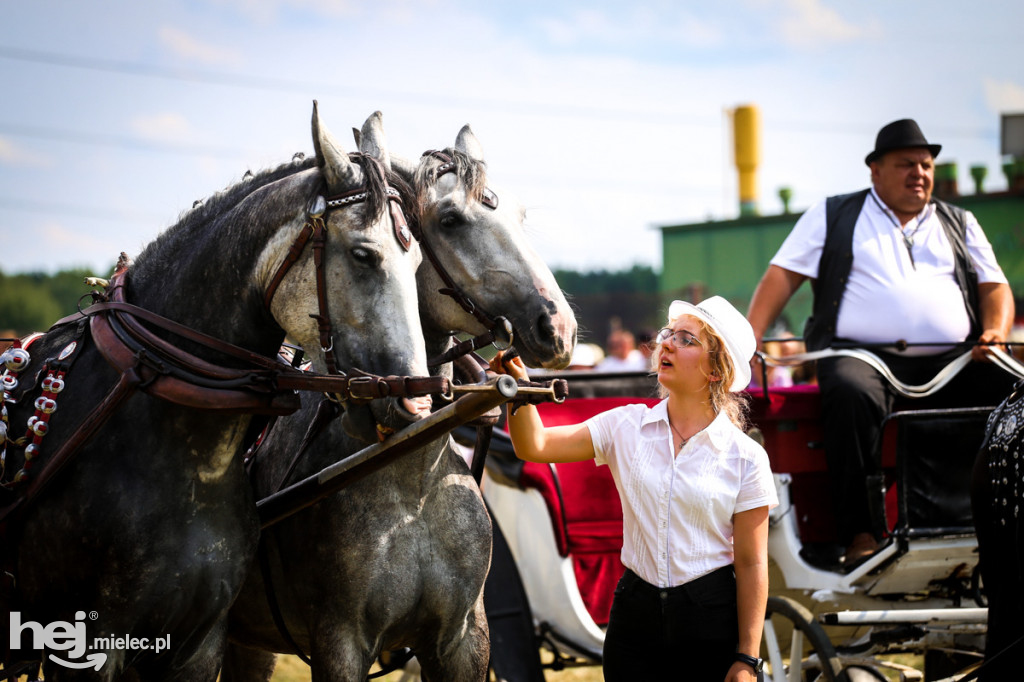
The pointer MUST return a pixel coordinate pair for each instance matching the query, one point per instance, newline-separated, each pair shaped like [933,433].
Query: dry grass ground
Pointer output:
[291,669]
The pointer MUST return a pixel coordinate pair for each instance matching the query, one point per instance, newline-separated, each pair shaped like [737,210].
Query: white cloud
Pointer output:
[13,155]
[192,49]
[1003,96]
[640,25]
[808,24]
[166,127]
[269,11]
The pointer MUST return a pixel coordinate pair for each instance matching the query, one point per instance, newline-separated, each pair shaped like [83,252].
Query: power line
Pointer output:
[270,84]
[78,211]
[447,100]
[122,142]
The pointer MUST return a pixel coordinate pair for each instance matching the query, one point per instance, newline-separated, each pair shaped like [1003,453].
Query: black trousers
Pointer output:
[855,400]
[687,632]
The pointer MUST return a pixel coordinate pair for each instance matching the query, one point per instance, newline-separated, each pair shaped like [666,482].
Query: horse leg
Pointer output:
[339,655]
[463,656]
[242,664]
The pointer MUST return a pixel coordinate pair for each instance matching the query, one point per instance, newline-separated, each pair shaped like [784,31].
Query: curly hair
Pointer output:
[734,405]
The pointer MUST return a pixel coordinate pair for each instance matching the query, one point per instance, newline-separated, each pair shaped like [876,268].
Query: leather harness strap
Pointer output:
[185,377]
[293,255]
[125,387]
[323,318]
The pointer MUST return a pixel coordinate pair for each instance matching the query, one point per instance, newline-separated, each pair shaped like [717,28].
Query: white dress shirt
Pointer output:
[677,511]
[889,295]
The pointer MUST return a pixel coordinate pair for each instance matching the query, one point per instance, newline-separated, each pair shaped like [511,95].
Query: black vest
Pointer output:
[841,213]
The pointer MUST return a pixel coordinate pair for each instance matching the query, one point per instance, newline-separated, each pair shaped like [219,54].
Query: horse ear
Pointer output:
[338,169]
[356,135]
[467,143]
[373,141]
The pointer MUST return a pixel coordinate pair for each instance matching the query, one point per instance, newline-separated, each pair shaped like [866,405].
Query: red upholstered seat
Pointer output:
[586,514]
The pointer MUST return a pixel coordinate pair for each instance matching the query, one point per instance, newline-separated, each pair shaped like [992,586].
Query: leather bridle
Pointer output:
[315,231]
[499,329]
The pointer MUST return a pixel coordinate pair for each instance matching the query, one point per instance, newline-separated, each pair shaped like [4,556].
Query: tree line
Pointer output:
[601,299]
[33,301]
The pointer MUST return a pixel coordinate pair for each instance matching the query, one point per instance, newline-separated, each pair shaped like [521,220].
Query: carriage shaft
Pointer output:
[312,489]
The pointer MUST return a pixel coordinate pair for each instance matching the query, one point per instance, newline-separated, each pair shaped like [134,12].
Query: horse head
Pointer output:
[476,236]
[367,265]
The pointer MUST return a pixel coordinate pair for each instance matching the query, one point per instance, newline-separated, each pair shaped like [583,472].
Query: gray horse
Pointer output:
[399,558]
[151,528]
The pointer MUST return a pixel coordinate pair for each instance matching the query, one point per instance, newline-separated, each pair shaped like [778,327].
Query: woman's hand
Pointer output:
[533,442]
[741,672]
[513,367]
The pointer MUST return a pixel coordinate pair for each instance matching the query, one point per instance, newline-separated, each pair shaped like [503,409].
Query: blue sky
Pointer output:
[605,120]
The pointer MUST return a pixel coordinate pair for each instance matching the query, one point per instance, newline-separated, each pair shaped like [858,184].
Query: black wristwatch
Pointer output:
[756,663]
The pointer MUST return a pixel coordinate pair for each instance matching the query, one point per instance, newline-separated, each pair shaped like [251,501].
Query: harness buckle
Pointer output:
[368,388]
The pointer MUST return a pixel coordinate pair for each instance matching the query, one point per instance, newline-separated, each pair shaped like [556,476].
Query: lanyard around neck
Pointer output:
[907,235]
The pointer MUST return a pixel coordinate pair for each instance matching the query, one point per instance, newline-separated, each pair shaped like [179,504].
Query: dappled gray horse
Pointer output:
[399,558]
[151,527]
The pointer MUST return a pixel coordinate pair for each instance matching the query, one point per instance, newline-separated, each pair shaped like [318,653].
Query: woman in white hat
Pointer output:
[695,494]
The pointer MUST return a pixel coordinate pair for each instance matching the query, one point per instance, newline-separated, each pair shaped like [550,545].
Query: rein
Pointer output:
[187,380]
[1000,358]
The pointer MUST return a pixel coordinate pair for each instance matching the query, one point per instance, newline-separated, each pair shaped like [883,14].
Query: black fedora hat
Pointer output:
[901,134]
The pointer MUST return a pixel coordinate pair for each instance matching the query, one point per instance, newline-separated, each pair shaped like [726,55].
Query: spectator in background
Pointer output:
[585,356]
[645,343]
[782,346]
[623,355]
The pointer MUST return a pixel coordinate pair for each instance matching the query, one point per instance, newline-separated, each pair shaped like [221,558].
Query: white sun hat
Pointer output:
[729,324]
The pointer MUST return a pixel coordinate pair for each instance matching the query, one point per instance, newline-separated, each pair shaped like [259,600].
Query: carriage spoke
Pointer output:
[796,656]
[771,640]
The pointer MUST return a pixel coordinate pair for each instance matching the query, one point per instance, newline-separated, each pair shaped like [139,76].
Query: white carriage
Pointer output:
[920,594]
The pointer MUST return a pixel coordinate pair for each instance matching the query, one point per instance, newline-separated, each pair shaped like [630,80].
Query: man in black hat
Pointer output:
[888,263]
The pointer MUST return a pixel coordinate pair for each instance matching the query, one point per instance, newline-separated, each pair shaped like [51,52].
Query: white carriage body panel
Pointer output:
[548,577]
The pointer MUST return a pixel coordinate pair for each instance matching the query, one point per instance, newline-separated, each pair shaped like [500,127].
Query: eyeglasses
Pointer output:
[680,339]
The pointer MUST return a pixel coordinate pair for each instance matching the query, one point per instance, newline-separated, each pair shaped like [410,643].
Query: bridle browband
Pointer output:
[499,329]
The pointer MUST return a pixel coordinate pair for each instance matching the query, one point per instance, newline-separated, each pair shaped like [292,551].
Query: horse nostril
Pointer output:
[546,328]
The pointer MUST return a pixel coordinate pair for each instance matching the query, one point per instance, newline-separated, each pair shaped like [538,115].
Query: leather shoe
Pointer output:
[861,547]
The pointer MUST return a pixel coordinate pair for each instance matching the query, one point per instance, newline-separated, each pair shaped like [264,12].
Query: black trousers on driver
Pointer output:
[686,632]
[855,400]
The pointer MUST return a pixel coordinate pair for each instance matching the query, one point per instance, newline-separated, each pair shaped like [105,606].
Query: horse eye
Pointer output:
[365,257]
[451,220]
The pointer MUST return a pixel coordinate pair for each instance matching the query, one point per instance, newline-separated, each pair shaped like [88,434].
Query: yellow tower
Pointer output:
[746,123]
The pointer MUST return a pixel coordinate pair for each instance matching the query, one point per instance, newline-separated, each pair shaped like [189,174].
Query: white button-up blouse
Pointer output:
[677,510]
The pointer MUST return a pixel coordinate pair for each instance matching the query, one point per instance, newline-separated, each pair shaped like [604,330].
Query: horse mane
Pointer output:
[210,210]
[206,209]
[471,172]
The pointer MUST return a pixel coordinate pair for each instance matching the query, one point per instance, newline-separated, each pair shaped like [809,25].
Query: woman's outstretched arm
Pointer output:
[533,441]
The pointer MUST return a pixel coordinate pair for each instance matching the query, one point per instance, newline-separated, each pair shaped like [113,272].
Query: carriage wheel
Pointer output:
[811,655]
